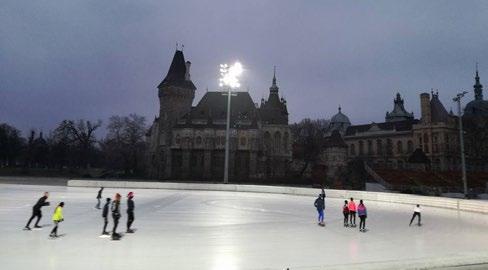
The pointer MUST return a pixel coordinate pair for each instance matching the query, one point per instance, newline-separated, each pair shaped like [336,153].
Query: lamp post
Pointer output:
[461,141]
[229,79]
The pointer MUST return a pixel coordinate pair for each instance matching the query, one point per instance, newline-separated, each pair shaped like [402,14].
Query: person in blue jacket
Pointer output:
[363,214]
[320,206]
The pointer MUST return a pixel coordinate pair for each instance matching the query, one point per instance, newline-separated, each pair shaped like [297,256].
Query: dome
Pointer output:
[339,122]
[476,108]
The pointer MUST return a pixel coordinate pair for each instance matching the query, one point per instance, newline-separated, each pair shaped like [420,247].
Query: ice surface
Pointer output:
[227,230]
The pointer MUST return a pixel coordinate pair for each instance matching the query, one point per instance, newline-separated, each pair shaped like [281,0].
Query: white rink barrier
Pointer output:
[478,206]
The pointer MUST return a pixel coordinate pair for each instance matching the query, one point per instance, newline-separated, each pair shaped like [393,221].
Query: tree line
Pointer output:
[73,145]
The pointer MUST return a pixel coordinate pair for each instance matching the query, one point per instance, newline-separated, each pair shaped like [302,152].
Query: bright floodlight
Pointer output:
[229,75]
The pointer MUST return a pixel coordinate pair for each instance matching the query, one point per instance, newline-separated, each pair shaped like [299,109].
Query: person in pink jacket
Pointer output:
[352,212]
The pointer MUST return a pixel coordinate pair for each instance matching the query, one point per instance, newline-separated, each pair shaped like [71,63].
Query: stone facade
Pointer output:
[188,142]
[391,143]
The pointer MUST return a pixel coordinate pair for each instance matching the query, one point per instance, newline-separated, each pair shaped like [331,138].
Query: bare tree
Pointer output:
[308,140]
[124,145]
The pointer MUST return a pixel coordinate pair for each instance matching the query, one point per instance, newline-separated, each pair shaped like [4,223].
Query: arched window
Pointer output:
[352,149]
[389,147]
[370,147]
[361,148]
[285,141]
[379,147]
[277,141]
[426,143]
[400,147]
[267,141]
[410,146]
[243,141]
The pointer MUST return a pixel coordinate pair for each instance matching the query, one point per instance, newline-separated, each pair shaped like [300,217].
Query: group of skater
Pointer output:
[110,205]
[350,209]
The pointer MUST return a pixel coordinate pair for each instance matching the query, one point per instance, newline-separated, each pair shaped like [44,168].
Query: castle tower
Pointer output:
[176,93]
[425,108]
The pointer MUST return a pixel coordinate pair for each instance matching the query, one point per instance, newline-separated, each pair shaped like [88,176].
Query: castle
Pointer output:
[187,142]
[401,141]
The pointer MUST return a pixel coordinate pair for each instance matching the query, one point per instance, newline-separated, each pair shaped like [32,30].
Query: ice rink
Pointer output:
[230,230]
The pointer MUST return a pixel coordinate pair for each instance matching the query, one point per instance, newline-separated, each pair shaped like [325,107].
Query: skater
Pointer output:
[352,212]
[116,215]
[363,214]
[105,217]
[130,211]
[345,212]
[323,192]
[57,218]
[36,211]
[320,205]
[416,213]
[99,197]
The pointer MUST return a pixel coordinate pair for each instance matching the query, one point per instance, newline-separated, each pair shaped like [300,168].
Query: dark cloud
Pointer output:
[93,59]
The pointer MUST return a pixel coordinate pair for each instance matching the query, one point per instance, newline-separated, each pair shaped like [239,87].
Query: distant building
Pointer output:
[187,142]
[391,143]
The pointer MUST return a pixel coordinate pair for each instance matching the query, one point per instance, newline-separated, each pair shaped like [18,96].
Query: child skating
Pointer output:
[352,213]
[57,218]
[105,217]
[363,214]
[416,213]
[320,206]
[345,212]
[36,211]
[99,197]
[116,216]
[130,211]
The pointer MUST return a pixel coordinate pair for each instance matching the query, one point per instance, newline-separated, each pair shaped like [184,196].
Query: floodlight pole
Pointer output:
[461,141]
[227,138]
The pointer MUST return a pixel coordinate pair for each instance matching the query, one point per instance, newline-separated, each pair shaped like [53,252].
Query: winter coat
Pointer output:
[116,209]
[345,209]
[58,214]
[319,204]
[99,195]
[417,209]
[130,206]
[40,203]
[362,210]
[105,210]
[352,206]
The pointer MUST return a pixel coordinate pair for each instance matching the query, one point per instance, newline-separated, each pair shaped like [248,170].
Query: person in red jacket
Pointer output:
[352,212]
[345,212]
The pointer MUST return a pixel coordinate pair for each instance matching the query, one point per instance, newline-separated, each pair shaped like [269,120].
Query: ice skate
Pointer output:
[26,228]
[130,231]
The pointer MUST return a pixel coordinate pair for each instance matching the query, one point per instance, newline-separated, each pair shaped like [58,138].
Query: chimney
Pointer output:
[187,72]
[425,108]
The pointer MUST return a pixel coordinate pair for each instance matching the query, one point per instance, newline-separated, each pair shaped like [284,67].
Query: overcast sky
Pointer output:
[92,59]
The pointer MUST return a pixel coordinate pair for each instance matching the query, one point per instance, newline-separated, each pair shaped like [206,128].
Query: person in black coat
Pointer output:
[99,197]
[320,205]
[116,215]
[105,217]
[130,211]
[36,211]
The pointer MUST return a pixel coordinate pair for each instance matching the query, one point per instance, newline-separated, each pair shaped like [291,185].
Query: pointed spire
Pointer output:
[274,88]
[339,108]
[478,87]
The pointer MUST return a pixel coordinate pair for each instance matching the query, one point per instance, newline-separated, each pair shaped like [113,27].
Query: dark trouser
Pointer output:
[55,229]
[362,222]
[98,203]
[116,223]
[130,219]
[352,217]
[346,215]
[105,220]
[35,213]
[415,214]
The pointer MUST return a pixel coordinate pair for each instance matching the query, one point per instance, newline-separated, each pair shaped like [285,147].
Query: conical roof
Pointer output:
[176,73]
